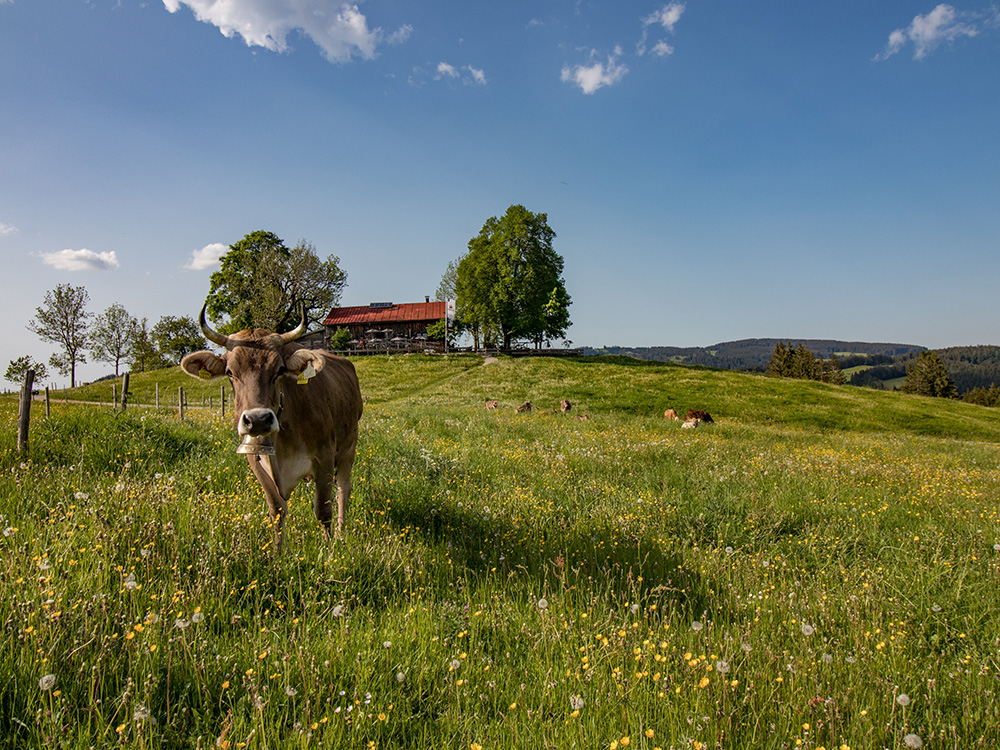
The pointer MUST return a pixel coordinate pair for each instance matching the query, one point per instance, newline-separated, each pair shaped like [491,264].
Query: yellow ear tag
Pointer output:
[204,374]
[309,372]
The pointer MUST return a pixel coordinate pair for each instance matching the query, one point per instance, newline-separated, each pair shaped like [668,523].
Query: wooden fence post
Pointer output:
[157,396]
[180,402]
[24,413]
[48,406]
[125,390]
[222,400]
[114,395]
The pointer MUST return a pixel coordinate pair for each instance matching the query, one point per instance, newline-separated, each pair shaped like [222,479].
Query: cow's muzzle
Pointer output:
[257,422]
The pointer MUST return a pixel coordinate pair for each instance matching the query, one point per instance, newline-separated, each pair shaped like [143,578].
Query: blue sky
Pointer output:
[713,171]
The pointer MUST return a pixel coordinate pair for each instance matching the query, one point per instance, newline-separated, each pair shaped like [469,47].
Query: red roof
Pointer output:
[368,315]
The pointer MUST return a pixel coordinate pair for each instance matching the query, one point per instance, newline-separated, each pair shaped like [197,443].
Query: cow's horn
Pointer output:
[214,336]
[292,335]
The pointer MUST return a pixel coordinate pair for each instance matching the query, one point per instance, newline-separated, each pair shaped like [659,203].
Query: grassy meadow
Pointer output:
[819,569]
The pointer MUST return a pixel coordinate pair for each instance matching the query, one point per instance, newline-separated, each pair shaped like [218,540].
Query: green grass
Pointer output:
[775,580]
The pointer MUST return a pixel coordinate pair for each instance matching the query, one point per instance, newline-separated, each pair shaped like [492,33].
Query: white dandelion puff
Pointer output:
[543,604]
[576,702]
[903,699]
[47,682]
[290,691]
[696,625]
[197,617]
[181,623]
[913,741]
[807,629]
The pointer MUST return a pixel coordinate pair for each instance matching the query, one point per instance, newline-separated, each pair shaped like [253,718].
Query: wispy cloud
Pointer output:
[597,75]
[6,229]
[80,260]
[665,18]
[466,74]
[341,33]
[927,33]
[208,257]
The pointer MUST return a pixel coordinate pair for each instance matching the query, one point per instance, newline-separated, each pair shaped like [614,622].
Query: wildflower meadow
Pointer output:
[819,568]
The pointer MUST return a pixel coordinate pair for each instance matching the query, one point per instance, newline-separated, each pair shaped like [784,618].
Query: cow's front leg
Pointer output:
[277,506]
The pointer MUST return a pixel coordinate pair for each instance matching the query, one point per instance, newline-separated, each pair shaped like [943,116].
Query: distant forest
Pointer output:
[754,354]
[970,367]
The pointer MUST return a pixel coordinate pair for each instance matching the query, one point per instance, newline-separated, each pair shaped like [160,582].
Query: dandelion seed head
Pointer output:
[576,702]
[722,666]
[827,658]
[913,741]
[47,682]
[197,617]
[290,691]
[400,676]
[543,604]
[387,644]
[696,625]
[181,623]
[807,629]
[903,699]
[141,713]
[338,610]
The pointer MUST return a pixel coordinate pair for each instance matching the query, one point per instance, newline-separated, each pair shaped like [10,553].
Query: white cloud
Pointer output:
[340,33]
[467,73]
[444,69]
[590,78]
[478,76]
[666,17]
[6,229]
[208,258]
[943,24]
[80,260]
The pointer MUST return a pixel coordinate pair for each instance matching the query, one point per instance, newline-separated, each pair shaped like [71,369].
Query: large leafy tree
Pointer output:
[63,320]
[175,337]
[17,367]
[113,335]
[509,285]
[263,284]
[929,377]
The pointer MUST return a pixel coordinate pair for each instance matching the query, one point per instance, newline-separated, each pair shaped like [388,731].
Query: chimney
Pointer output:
[427,298]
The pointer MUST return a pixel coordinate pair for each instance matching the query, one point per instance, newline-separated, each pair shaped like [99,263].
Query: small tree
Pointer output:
[63,320]
[144,355]
[112,336]
[340,338]
[176,337]
[929,377]
[17,367]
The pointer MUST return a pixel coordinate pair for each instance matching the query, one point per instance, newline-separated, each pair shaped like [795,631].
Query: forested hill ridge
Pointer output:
[754,354]
[968,366]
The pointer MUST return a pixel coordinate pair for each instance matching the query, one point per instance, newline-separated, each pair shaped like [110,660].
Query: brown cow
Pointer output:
[290,429]
[701,416]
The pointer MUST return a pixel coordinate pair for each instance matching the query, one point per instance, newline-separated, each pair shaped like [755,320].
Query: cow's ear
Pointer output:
[304,363]
[204,365]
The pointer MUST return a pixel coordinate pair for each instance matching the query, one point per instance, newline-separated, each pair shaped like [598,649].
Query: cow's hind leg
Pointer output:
[322,502]
[277,506]
[344,465]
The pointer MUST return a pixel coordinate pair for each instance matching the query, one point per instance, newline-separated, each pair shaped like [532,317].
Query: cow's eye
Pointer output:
[281,371]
